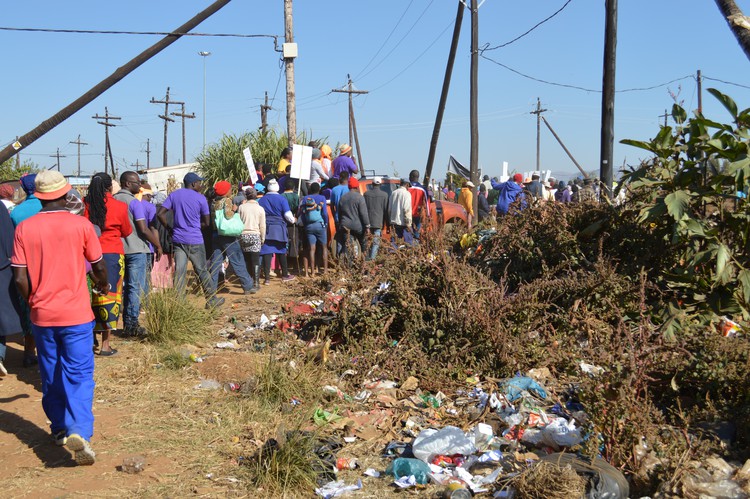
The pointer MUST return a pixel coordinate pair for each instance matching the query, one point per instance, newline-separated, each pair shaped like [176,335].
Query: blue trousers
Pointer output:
[66,365]
[229,246]
[134,287]
[373,250]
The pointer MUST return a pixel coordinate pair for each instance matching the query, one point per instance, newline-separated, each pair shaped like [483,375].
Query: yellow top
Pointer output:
[466,199]
[283,163]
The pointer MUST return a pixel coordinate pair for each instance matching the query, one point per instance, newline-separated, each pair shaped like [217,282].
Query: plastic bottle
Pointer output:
[456,490]
[404,466]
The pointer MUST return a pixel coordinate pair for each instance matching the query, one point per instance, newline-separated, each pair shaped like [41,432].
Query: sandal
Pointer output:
[107,353]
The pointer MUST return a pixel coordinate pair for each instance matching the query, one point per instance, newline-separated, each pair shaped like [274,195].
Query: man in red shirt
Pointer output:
[420,203]
[49,254]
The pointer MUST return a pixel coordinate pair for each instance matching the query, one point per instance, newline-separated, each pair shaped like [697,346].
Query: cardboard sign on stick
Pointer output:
[301,159]
[250,165]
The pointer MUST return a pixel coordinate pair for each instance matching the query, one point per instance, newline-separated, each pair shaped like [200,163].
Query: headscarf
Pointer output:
[73,203]
[273,186]
[6,191]
[325,151]
[27,183]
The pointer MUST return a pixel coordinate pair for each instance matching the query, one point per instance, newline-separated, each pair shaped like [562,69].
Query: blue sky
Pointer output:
[658,41]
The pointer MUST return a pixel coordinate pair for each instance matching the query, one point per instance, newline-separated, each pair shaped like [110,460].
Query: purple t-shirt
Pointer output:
[344,163]
[149,210]
[188,207]
[136,209]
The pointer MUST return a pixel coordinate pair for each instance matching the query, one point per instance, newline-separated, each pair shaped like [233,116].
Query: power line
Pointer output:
[726,82]
[386,39]
[528,31]
[398,44]
[576,87]
[113,32]
[417,59]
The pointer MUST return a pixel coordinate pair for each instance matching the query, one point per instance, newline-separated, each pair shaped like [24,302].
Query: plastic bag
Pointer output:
[406,467]
[561,433]
[515,386]
[603,480]
[447,441]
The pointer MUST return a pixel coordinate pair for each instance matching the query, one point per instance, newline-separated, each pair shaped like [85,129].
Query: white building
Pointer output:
[158,178]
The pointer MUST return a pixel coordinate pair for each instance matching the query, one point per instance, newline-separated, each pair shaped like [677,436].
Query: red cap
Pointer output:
[222,188]
[518,178]
[353,183]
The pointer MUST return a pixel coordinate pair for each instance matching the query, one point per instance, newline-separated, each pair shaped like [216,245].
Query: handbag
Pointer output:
[232,227]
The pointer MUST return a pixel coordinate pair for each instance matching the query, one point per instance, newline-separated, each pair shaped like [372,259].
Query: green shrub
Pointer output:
[172,318]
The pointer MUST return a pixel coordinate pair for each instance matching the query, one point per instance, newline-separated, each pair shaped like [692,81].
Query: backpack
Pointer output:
[313,212]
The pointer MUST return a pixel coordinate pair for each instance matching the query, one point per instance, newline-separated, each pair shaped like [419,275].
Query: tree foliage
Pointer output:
[691,194]
[10,170]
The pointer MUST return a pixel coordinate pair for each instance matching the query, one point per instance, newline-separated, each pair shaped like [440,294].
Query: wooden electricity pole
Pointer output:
[349,89]
[58,156]
[608,99]
[148,154]
[444,92]
[559,140]
[182,115]
[166,119]
[699,80]
[290,48]
[79,144]
[538,113]
[264,108]
[109,82]
[665,116]
[107,149]
[473,100]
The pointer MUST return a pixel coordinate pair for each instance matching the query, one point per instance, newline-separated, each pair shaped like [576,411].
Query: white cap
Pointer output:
[377,180]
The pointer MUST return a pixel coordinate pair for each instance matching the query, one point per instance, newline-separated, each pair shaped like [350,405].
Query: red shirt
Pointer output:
[53,246]
[451,196]
[116,225]
[418,198]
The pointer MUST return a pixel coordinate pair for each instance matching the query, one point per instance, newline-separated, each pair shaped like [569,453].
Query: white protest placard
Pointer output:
[301,159]
[250,165]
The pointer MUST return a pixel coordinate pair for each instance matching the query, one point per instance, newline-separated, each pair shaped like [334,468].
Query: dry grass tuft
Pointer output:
[550,481]
[172,318]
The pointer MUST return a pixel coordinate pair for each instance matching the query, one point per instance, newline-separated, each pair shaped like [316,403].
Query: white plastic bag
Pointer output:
[444,442]
[561,433]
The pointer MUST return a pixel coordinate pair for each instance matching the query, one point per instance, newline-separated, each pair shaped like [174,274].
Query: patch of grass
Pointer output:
[277,383]
[172,318]
[285,466]
[174,360]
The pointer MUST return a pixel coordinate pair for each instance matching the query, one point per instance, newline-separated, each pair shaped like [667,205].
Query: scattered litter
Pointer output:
[322,417]
[372,472]
[406,482]
[133,464]
[447,441]
[409,471]
[591,369]
[350,440]
[515,387]
[208,384]
[337,489]
[226,345]
[729,328]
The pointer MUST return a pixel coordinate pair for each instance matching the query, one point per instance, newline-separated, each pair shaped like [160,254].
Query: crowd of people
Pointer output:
[496,198]
[75,269]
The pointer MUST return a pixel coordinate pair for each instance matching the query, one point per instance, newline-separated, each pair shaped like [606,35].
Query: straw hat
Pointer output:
[50,185]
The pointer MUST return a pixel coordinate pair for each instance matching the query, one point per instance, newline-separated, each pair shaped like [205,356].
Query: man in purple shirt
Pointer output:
[344,162]
[191,213]
[137,254]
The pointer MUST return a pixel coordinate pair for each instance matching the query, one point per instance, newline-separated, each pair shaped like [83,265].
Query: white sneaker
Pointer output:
[3,371]
[84,454]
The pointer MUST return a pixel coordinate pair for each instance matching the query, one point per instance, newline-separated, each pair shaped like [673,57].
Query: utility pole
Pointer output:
[109,82]
[538,113]
[559,140]
[444,92]
[699,80]
[665,116]
[107,149]
[79,143]
[349,89]
[183,116]
[166,119]
[148,154]
[290,52]
[137,165]
[608,99]
[473,100]
[58,156]
[264,108]
[18,154]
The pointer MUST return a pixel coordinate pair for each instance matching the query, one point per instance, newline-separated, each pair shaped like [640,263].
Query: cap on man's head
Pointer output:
[353,183]
[316,153]
[191,178]
[51,185]
[377,181]
[27,183]
[260,188]
[273,185]
[486,177]
[535,176]
[527,180]
[345,148]
[518,178]
[470,184]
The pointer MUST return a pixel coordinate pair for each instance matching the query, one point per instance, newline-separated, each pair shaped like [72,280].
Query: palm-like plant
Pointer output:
[224,160]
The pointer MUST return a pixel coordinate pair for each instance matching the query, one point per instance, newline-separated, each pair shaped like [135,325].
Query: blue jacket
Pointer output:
[509,192]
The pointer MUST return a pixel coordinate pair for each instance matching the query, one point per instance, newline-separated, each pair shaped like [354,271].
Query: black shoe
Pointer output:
[215,302]
[135,331]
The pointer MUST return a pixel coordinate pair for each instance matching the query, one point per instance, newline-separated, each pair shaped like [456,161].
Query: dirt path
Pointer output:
[137,410]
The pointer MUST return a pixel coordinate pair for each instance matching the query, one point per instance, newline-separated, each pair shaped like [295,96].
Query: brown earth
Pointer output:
[138,410]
